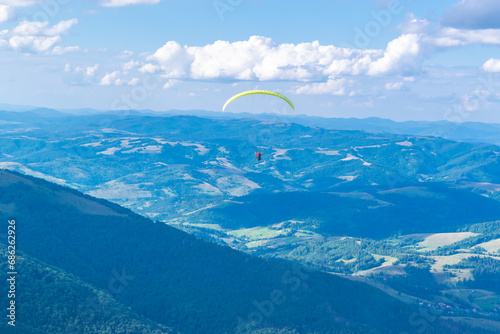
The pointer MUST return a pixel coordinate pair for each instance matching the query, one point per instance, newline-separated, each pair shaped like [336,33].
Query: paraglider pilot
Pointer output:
[258,155]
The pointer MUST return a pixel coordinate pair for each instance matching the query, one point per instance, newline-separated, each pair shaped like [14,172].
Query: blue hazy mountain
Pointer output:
[460,131]
[180,168]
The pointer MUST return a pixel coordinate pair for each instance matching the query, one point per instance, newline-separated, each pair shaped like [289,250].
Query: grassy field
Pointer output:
[491,246]
[257,233]
[455,259]
[434,241]
[389,261]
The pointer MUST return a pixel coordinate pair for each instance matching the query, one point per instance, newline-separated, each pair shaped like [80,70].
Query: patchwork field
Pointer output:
[491,246]
[434,241]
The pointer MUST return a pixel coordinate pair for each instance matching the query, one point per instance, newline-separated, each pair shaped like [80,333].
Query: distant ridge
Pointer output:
[464,131]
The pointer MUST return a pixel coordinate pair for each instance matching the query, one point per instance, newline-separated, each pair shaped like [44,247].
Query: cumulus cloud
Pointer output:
[492,65]
[29,28]
[81,75]
[330,87]
[130,65]
[112,78]
[90,71]
[323,69]
[134,82]
[394,85]
[473,14]
[174,59]
[148,68]
[259,58]
[451,37]
[37,37]
[33,43]
[169,84]
[402,54]
[6,13]
[121,3]
[58,50]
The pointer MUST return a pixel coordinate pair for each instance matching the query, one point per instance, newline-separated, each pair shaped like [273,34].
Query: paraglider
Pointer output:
[251,92]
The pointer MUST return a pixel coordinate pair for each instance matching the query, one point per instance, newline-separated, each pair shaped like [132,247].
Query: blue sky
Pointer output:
[404,60]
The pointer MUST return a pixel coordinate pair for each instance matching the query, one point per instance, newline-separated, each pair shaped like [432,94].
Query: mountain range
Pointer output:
[412,214]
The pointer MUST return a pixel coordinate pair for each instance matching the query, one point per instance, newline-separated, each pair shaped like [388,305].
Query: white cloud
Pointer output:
[259,58]
[61,28]
[27,28]
[120,3]
[90,71]
[148,68]
[58,50]
[36,36]
[6,13]
[112,78]
[33,43]
[231,60]
[492,65]
[169,84]
[174,59]
[402,54]
[449,37]
[394,85]
[331,87]
[134,82]
[322,69]
[130,65]
[81,75]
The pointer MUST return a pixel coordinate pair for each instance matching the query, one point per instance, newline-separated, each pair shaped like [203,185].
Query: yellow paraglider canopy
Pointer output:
[251,92]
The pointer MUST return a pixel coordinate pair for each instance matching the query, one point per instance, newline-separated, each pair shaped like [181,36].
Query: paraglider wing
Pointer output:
[251,92]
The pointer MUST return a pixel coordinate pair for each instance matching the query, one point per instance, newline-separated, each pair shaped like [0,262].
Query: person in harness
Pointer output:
[258,155]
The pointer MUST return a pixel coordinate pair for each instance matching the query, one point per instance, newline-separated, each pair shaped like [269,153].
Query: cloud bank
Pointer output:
[36,37]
